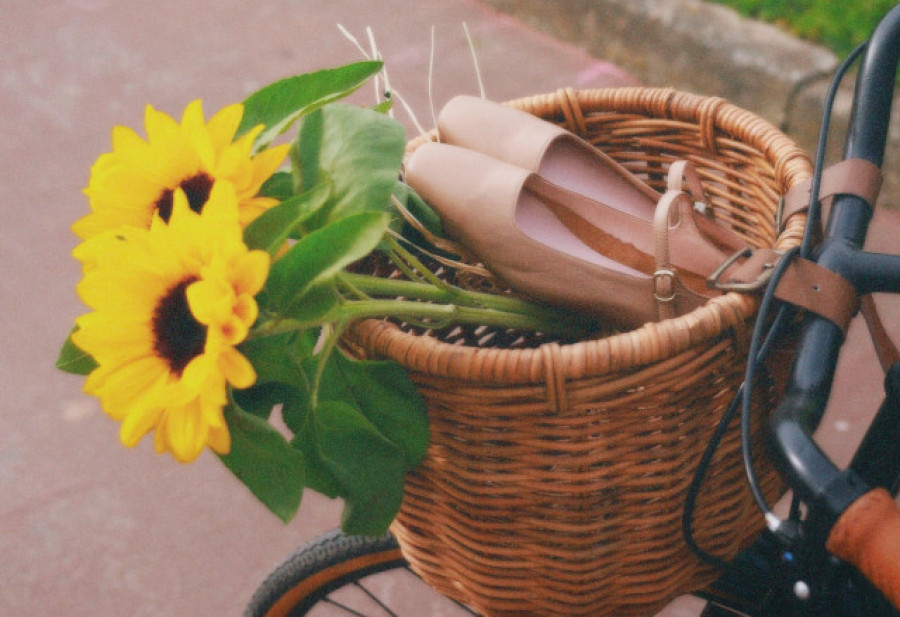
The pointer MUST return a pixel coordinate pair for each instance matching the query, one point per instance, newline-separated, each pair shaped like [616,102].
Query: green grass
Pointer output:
[837,24]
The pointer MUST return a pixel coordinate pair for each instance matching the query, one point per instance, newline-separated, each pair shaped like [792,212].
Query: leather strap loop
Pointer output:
[884,347]
[849,177]
[681,173]
[818,289]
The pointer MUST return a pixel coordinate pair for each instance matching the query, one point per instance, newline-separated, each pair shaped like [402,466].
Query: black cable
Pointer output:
[745,394]
[715,440]
[755,360]
[690,500]
[813,215]
[814,211]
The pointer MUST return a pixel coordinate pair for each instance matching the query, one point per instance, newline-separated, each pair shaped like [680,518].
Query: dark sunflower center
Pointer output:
[178,338]
[196,189]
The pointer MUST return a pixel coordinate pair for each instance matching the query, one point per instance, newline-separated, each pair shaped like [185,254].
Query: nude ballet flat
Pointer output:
[558,155]
[564,248]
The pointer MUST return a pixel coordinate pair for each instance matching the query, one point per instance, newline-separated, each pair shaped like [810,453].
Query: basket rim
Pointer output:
[552,362]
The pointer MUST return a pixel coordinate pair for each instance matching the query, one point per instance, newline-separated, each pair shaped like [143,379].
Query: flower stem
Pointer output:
[426,305]
[398,288]
[331,339]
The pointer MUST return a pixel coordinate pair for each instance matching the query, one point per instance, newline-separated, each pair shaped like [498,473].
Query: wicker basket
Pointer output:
[556,476]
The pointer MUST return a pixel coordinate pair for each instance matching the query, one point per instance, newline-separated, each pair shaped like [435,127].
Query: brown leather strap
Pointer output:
[664,274]
[685,242]
[884,347]
[850,177]
[683,173]
[683,176]
[817,289]
[600,240]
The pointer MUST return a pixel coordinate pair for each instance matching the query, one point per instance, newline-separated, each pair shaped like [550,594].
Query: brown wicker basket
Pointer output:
[556,476]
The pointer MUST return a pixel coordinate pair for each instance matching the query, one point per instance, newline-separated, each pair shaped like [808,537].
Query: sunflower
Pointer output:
[170,303]
[140,178]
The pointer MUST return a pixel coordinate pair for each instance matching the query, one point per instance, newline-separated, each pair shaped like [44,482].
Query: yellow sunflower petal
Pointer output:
[124,137]
[211,301]
[121,387]
[224,124]
[226,335]
[222,203]
[113,341]
[237,368]
[249,274]
[170,158]
[199,377]
[138,424]
[219,439]
[246,309]
[267,162]
[184,432]
[194,127]
[252,208]
[160,126]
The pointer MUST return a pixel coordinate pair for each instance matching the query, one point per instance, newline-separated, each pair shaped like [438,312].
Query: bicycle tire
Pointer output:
[322,568]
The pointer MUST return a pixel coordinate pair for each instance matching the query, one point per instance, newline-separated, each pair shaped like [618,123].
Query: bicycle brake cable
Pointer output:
[805,250]
[743,394]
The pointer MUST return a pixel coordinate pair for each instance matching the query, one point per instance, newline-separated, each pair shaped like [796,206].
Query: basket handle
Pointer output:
[867,535]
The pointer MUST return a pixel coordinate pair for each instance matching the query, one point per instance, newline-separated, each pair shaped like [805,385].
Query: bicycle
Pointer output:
[793,568]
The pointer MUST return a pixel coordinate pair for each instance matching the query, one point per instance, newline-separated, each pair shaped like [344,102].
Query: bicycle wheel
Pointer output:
[337,574]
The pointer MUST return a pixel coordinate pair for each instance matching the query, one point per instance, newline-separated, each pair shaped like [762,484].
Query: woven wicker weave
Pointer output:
[556,476]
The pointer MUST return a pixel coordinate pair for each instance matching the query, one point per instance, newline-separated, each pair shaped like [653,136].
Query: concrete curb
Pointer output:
[709,49]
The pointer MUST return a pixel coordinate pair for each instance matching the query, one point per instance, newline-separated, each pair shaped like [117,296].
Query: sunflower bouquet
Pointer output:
[217,267]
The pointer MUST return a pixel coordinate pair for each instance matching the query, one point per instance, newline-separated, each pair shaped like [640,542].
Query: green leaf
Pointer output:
[272,228]
[385,395]
[421,212]
[280,185]
[73,360]
[318,256]
[383,107]
[313,304]
[357,151]
[318,475]
[278,358]
[265,462]
[370,471]
[306,155]
[279,104]
[260,399]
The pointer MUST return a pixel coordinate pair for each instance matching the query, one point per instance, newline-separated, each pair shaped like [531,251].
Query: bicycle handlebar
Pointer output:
[867,535]
[863,525]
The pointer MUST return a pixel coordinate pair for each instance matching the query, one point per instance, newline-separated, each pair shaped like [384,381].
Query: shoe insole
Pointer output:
[537,221]
[566,164]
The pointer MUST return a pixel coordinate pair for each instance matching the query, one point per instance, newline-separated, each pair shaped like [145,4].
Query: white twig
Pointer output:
[474,59]
[431,80]
[409,111]
[379,91]
[375,54]
[355,41]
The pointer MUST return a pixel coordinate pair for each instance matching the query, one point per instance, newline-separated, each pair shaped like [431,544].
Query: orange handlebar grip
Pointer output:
[867,535]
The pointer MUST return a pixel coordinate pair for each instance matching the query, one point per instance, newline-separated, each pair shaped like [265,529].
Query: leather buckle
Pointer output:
[656,276]
[758,283]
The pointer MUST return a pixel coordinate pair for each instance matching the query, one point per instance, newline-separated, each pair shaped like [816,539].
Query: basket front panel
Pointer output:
[585,505]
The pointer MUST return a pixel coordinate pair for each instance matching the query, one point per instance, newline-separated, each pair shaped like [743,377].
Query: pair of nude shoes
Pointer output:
[562,222]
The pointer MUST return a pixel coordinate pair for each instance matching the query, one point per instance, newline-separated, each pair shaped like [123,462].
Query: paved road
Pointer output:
[87,527]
